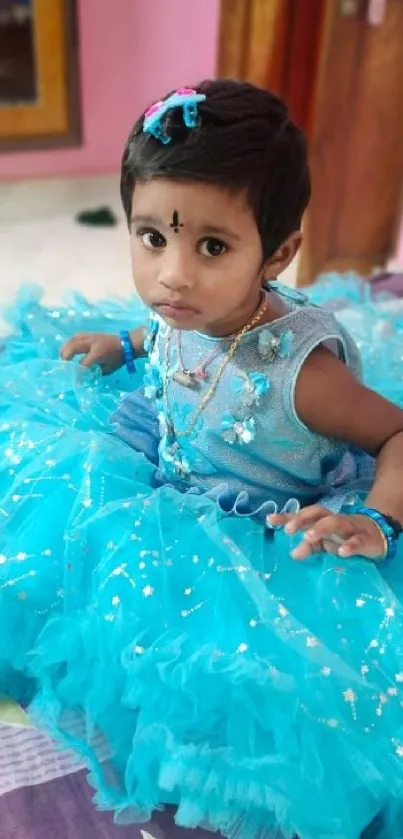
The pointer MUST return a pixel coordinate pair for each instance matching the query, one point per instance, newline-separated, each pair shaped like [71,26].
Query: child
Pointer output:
[150,607]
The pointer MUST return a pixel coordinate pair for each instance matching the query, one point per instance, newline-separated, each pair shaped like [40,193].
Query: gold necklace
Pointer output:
[171,430]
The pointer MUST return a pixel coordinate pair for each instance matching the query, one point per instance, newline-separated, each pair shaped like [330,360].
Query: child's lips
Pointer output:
[175,310]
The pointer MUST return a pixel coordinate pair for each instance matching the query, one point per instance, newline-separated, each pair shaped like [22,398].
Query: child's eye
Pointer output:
[212,247]
[152,239]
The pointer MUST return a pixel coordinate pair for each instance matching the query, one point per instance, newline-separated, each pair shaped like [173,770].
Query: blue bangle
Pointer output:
[389,528]
[129,354]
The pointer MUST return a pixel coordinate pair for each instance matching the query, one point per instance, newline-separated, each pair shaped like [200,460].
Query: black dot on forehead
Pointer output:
[176,224]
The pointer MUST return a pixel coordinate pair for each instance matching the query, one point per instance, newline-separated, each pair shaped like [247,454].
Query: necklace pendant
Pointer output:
[184,378]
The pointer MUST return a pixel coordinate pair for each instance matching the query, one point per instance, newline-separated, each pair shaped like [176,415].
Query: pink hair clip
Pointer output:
[185,98]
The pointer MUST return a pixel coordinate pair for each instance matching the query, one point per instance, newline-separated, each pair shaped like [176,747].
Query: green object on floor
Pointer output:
[11,713]
[100,217]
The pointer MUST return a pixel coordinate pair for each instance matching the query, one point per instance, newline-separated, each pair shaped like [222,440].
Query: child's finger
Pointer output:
[79,345]
[279,519]
[90,359]
[360,544]
[306,518]
[303,551]
[293,522]
[330,525]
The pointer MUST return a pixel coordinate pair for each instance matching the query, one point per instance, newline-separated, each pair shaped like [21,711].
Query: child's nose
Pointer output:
[177,273]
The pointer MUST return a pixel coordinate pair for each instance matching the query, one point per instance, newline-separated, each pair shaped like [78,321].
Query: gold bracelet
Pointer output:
[384,540]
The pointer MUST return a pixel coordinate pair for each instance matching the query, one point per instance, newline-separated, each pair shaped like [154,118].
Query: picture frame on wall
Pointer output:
[39,75]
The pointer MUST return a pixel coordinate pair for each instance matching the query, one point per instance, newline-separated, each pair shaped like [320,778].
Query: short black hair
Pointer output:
[245,140]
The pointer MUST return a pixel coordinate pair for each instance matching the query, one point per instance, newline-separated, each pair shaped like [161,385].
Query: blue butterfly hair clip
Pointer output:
[185,98]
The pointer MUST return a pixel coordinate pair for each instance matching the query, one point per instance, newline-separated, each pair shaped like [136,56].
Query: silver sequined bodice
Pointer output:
[249,438]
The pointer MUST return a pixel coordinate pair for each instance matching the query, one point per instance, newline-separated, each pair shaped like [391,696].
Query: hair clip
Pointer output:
[185,98]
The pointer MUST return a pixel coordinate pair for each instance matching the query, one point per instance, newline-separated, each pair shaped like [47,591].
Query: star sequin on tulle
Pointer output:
[270,347]
[398,747]
[312,642]
[349,695]
[235,430]
[251,387]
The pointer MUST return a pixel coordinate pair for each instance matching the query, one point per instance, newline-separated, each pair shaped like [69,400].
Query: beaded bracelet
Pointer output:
[129,354]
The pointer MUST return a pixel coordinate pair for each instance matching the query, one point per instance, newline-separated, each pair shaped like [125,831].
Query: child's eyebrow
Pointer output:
[142,219]
[212,230]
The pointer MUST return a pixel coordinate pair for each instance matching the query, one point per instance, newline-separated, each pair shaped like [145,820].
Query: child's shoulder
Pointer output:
[312,328]
[310,322]
[293,301]
[292,295]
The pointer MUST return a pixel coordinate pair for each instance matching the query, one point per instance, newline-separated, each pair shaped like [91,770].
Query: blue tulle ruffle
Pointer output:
[166,635]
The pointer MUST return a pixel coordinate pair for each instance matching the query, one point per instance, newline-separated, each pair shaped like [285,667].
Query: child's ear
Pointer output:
[283,256]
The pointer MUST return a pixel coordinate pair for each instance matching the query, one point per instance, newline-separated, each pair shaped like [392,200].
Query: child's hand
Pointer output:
[337,534]
[96,348]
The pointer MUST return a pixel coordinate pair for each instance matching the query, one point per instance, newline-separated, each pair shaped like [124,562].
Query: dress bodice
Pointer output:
[248,440]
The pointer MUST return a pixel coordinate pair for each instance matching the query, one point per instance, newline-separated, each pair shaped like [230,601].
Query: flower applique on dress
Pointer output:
[176,463]
[239,426]
[271,347]
[236,430]
[179,457]
[251,387]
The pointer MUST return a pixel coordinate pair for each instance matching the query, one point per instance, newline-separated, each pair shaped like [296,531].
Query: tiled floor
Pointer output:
[41,243]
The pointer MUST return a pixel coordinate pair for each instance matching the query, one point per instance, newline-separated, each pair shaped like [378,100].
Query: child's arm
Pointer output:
[331,402]
[104,350]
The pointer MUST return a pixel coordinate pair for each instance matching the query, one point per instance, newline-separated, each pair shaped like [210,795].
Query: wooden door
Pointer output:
[356,141]
[257,38]
[343,80]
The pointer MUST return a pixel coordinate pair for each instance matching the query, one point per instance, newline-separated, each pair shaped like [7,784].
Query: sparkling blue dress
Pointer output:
[147,615]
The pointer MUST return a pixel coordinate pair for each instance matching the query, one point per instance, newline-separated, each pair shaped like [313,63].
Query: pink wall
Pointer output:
[132,52]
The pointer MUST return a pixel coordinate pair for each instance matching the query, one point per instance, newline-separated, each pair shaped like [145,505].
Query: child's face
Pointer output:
[196,255]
